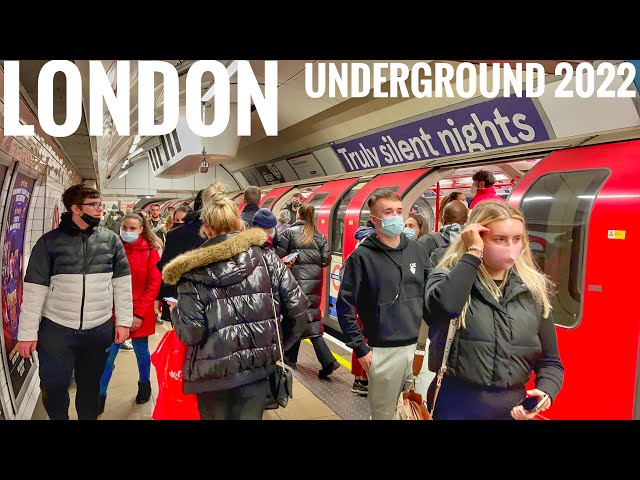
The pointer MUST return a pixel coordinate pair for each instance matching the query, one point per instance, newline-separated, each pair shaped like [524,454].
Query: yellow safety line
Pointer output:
[342,361]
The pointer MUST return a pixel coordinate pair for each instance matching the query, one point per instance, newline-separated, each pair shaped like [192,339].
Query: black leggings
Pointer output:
[461,400]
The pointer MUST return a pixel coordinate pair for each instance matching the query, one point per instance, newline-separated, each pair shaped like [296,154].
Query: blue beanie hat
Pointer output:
[264,218]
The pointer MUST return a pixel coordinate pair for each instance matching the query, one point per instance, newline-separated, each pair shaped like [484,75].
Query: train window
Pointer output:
[365,213]
[557,208]
[424,209]
[267,203]
[338,226]
[316,201]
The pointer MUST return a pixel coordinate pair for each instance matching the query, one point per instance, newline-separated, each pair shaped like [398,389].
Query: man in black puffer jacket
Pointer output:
[225,316]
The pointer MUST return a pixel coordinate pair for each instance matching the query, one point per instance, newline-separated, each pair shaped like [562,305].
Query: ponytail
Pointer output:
[307,214]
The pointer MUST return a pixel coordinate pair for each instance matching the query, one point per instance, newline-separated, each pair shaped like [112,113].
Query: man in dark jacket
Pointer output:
[180,239]
[384,280]
[454,216]
[293,206]
[252,198]
[77,274]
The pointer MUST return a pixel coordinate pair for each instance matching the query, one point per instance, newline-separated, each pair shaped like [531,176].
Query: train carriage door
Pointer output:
[270,198]
[581,207]
[325,200]
[352,218]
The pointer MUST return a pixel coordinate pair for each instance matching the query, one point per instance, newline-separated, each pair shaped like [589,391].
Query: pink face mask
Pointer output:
[502,257]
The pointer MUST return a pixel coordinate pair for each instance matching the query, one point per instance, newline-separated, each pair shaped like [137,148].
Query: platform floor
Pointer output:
[313,398]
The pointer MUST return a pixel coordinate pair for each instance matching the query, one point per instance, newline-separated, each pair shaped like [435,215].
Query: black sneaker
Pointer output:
[361,387]
[328,370]
[144,392]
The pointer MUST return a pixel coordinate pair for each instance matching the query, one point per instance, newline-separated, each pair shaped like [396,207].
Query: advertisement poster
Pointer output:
[56,218]
[12,265]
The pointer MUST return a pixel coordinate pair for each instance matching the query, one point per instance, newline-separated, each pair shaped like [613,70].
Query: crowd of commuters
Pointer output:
[242,279]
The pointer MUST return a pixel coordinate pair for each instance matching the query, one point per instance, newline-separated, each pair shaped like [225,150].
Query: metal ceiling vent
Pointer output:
[182,153]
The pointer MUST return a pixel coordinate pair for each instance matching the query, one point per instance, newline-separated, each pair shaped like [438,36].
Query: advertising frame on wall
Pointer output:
[6,406]
[18,371]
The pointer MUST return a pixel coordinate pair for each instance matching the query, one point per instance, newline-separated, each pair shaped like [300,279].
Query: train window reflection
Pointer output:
[338,225]
[316,201]
[557,208]
[267,203]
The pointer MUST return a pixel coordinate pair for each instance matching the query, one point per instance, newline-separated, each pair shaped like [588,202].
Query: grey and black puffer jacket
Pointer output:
[307,269]
[225,311]
[76,278]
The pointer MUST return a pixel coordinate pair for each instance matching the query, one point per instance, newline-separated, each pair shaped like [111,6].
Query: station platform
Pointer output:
[313,398]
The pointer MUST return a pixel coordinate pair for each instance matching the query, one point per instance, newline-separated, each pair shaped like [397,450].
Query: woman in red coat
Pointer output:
[141,246]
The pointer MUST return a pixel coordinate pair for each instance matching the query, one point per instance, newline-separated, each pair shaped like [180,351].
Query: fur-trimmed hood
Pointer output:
[221,261]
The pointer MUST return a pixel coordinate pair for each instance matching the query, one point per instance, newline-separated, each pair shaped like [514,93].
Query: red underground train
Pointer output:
[581,206]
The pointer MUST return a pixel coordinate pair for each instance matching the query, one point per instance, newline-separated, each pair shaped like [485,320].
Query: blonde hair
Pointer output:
[307,214]
[218,212]
[485,213]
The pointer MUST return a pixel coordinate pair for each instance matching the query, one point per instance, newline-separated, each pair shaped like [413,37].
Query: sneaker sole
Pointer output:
[360,392]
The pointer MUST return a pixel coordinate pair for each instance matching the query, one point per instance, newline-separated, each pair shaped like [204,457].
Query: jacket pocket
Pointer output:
[399,320]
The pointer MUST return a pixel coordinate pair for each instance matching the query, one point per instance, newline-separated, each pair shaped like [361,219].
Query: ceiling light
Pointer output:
[136,140]
[134,145]
[123,173]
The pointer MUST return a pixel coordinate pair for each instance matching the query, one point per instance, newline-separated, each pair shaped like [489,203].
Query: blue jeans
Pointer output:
[141,348]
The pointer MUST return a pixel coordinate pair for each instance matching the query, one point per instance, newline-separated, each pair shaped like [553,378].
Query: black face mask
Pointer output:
[91,221]
[296,204]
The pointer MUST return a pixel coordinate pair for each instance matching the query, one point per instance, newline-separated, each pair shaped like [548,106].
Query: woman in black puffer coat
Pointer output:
[302,237]
[225,313]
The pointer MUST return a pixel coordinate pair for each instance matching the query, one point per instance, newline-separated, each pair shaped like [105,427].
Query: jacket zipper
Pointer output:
[193,358]
[84,264]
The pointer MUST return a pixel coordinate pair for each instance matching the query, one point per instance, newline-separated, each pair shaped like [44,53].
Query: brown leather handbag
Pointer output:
[410,404]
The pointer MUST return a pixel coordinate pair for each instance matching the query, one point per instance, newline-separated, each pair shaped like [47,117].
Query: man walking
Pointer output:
[76,275]
[384,281]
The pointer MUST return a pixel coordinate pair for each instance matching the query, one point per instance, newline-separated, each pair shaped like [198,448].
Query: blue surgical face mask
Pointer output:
[129,237]
[391,226]
[410,232]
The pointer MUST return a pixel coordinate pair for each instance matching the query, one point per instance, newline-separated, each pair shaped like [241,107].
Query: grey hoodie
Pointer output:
[436,243]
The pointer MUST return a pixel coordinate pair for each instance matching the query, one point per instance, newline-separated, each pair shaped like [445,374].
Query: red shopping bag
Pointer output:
[172,403]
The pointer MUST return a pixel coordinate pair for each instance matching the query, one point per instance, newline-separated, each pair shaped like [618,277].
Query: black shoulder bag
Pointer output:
[281,381]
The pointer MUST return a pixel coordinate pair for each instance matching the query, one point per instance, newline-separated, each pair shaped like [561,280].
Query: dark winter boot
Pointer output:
[102,401]
[144,392]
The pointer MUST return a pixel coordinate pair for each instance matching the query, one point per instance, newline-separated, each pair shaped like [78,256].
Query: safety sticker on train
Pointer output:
[616,234]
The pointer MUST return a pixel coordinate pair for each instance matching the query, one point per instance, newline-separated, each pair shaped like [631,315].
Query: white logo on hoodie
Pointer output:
[412,267]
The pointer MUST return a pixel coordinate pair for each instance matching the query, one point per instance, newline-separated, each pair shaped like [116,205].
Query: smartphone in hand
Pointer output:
[533,404]
[170,299]
[291,257]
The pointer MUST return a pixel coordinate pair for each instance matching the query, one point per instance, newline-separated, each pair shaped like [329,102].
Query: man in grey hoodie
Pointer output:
[454,216]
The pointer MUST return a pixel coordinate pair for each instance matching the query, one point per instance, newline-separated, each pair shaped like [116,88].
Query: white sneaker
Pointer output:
[127,345]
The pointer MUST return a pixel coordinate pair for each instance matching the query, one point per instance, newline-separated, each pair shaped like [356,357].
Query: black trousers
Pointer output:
[246,402]
[323,352]
[62,350]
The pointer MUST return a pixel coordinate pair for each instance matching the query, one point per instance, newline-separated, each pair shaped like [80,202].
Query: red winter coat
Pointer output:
[145,283]
[485,194]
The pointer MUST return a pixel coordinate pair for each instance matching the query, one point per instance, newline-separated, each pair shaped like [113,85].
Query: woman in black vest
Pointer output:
[314,255]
